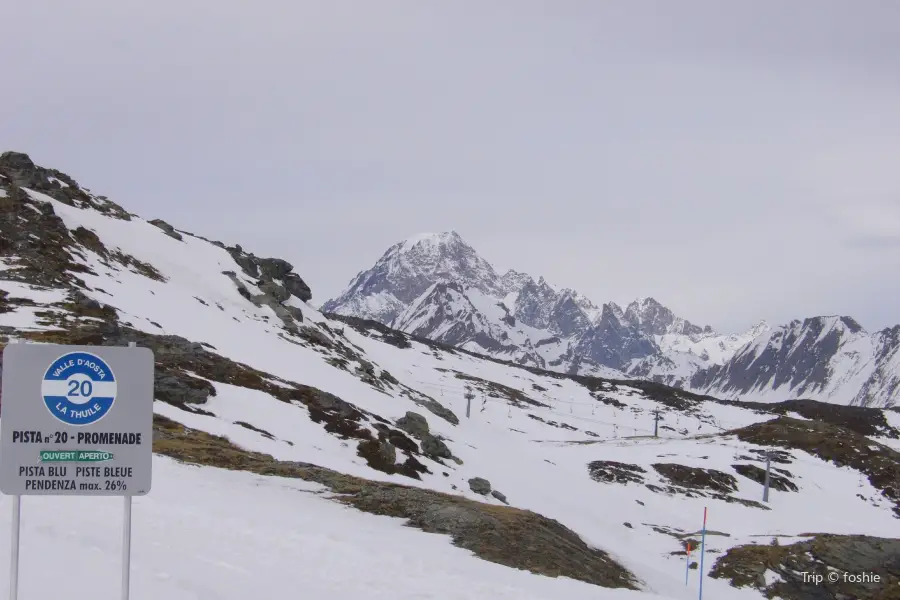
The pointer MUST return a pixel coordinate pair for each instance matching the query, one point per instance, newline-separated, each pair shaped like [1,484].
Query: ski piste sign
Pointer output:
[79,388]
[76,420]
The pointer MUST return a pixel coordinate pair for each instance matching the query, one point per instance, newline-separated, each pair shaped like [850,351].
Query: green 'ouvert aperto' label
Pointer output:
[75,456]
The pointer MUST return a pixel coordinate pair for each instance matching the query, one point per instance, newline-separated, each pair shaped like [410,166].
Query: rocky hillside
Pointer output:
[549,484]
[437,286]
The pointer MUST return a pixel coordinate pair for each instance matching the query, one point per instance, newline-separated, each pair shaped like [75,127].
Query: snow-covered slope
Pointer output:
[250,377]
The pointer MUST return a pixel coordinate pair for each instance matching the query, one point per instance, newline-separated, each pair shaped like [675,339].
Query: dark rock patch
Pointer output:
[295,285]
[262,432]
[695,482]
[697,478]
[427,402]
[270,269]
[168,229]
[609,471]
[435,448]
[369,328]
[21,172]
[758,474]
[859,419]
[413,424]
[492,389]
[479,485]
[777,456]
[553,423]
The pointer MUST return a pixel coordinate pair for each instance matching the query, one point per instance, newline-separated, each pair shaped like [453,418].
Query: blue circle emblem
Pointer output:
[79,388]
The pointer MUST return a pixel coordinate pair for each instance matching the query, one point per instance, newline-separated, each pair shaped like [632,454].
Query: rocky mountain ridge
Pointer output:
[437,286]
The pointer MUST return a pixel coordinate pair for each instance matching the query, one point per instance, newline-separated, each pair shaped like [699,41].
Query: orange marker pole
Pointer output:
[687,567]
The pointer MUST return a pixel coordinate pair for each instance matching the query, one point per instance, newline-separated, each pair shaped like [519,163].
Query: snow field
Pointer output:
[205,534]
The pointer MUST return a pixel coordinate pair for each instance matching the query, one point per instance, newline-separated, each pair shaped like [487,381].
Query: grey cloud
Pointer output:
[887,242]
[705,153]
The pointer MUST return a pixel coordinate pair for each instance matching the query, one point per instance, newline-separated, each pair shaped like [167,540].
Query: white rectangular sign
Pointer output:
[76,420]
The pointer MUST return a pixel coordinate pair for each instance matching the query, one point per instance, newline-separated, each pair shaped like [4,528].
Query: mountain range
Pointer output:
[334,455]
[437,286]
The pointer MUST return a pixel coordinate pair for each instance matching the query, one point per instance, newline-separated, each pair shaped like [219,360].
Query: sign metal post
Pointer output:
[77,421]
[14,544]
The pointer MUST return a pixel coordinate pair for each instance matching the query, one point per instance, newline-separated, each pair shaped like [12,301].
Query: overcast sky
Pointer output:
[737,160]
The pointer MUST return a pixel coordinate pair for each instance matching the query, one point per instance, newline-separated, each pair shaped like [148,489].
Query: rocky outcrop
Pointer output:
[416,425]
[697,478]
[610,471]
[413,424]
[35,241]
[271,270]
[777,480]
[479,485]
[273,295]
[499,496]
[21,172]
[168,229]
[825,567]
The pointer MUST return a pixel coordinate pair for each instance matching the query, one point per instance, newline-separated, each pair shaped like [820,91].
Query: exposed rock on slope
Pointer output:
[786,571]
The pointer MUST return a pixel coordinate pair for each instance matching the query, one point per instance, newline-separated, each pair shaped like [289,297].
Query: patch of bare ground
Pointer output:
[696,482]
[843,556]
[610,471]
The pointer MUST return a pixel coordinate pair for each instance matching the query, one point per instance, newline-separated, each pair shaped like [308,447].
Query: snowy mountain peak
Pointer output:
[761,327]
[611,310]
[544,283]
[407,269]
[513,281]
[653,318]
[431,240]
